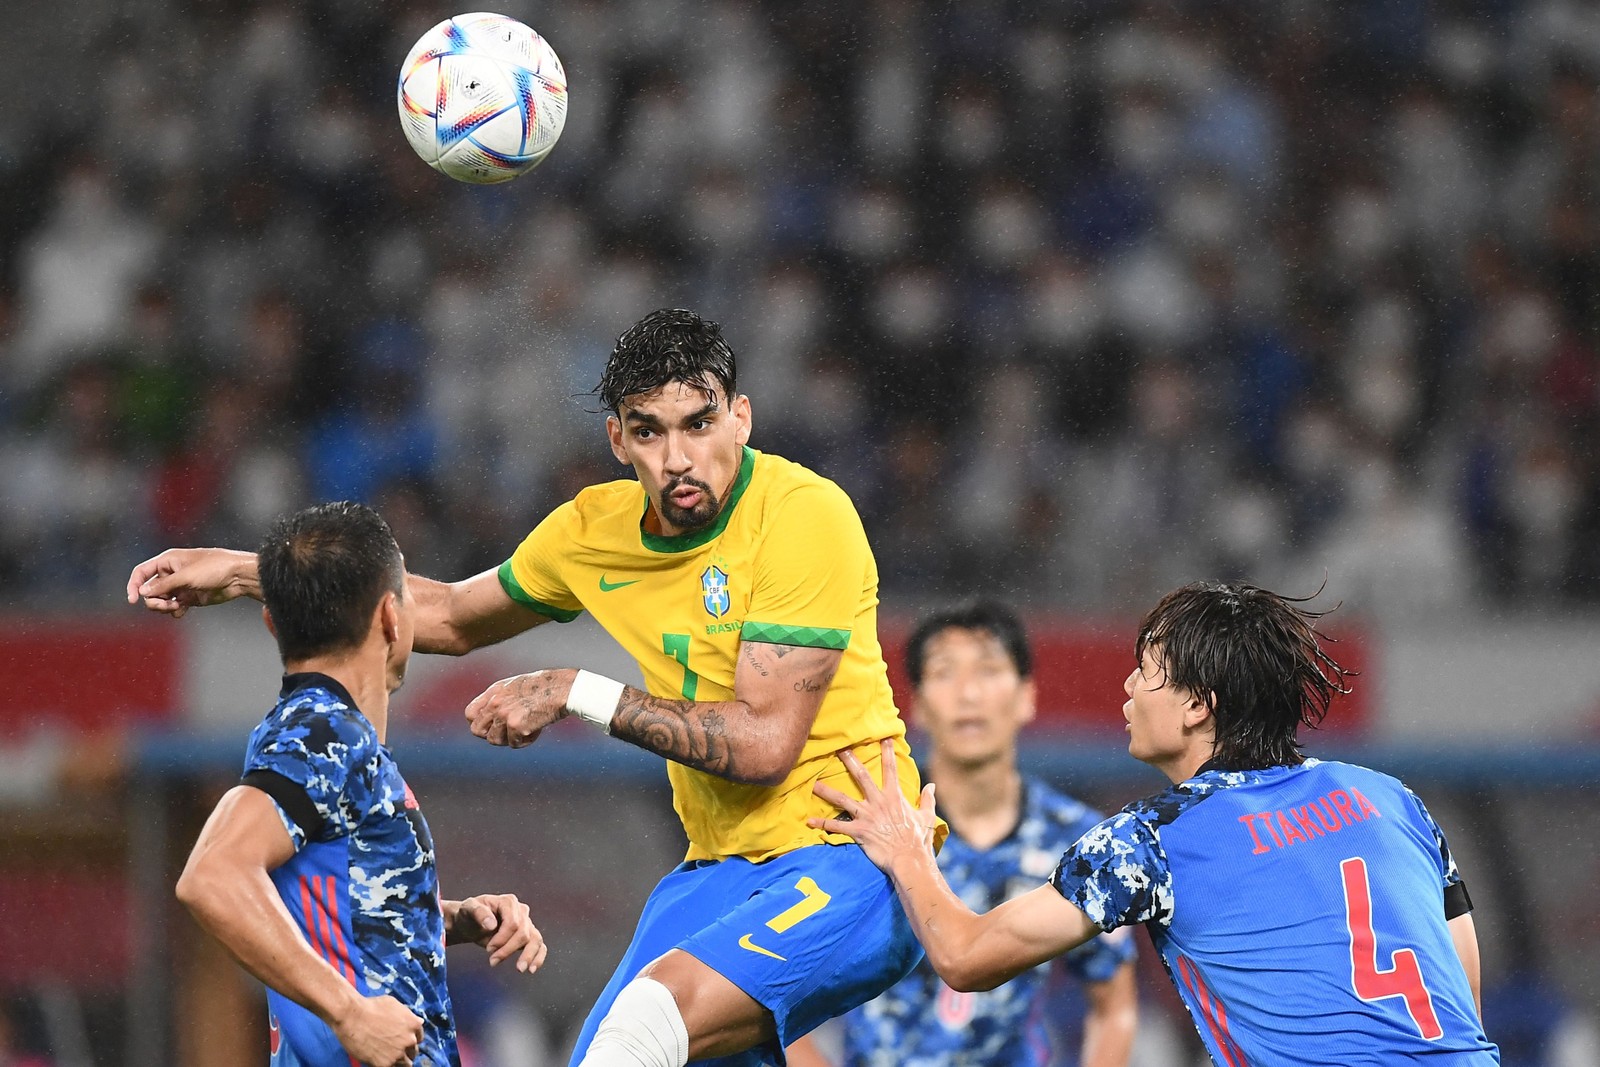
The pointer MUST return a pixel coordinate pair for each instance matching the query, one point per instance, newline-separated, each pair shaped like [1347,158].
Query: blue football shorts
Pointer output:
[808,935]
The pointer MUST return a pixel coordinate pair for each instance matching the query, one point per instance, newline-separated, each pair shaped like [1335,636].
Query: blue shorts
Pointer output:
[808,935]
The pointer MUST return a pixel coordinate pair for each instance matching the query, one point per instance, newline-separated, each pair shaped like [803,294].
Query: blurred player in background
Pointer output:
[973,673]
[744,587]
[317,871]
[1308,912]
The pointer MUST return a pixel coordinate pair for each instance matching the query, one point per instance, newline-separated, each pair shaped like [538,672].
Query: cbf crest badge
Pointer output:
[714,591]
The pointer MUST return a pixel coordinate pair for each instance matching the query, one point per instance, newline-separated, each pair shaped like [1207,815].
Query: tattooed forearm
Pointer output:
[694,734]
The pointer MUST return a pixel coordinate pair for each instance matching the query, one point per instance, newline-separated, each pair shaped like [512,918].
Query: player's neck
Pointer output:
[1183,767]
[363,676]
[982,802]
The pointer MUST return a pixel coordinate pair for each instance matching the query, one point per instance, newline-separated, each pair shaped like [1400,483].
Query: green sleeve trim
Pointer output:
[508,582]
[772,633]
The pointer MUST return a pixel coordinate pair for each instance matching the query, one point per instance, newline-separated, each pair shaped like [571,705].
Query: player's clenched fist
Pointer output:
[501,924]
[512,711]
[379,1031]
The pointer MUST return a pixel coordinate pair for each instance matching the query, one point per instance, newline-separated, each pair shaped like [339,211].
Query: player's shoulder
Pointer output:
[601,502]
[1162,809]
[315,714]
[781,483]
[1373,784]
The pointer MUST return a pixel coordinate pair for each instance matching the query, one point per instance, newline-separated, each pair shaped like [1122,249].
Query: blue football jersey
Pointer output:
[921,1022]
[1300,911]
[361,886]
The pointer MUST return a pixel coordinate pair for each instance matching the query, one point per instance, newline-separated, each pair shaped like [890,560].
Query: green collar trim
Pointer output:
[695,538]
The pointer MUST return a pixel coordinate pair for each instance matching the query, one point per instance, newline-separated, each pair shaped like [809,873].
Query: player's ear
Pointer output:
[1197,709]
[614,435]
[266,617]
[740,410]
[1027,701]
[388,617]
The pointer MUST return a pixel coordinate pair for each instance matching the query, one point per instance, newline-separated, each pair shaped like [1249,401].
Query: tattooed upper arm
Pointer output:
[756,737]
[771,675]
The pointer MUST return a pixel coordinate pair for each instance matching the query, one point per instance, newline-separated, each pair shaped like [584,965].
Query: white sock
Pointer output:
[643,1029]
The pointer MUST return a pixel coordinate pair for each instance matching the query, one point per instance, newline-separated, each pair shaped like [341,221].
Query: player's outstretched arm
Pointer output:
[970,952]
[226,886]
[183,578]
[1111,1020]
[452,618]
[500,923]
[756,738]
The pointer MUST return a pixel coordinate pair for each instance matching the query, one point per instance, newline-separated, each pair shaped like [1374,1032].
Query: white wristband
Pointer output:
[594,698]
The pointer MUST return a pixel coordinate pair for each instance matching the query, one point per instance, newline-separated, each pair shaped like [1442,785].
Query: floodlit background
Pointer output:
[1078,301]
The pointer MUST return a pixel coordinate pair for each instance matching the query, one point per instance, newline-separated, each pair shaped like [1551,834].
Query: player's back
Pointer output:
[362,885]
[1307,919]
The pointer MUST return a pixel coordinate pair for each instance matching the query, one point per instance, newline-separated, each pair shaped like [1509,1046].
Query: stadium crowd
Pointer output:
[1079,301]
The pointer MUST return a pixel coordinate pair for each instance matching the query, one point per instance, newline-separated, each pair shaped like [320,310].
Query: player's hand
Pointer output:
[512,711]
[379,1031]
[882,822]
[500,923]
[183,578]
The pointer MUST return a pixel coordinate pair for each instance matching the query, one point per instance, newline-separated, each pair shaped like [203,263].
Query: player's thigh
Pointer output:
[681,903]
[721,1019]
[821,934]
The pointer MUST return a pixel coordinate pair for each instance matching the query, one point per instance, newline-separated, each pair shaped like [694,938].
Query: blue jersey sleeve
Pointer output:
[1447,863]
[1117,874]
[322,748]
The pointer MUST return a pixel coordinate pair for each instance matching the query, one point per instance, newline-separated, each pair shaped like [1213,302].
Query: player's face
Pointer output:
[1162,719]
[685,443]
[972,701]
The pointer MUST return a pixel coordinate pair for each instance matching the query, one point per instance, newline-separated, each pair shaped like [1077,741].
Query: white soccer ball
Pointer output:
[482,98]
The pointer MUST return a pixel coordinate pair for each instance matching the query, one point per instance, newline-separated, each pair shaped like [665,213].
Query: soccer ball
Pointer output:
[482,98]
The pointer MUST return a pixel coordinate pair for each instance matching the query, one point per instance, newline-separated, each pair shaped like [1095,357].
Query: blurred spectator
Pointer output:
[13,1053]
[1070,299]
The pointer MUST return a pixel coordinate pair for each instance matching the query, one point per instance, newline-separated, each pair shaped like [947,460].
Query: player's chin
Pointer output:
[690,519]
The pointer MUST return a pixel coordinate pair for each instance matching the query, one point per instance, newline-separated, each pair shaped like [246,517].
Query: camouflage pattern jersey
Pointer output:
[362,885]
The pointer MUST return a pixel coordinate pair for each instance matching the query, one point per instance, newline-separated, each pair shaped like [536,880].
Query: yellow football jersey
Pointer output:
[786,562]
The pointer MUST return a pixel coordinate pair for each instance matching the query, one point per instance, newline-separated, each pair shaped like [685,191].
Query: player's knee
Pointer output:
[643,1029]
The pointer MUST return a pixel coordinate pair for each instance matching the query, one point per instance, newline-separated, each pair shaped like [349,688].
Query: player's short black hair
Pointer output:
[1255,657]
[323,571]
[668,345]
[987,616]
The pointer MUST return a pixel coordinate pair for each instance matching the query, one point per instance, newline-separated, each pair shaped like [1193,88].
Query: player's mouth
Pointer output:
[686,497]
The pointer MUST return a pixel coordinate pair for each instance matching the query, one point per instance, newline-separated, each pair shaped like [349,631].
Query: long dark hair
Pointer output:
[1255,657]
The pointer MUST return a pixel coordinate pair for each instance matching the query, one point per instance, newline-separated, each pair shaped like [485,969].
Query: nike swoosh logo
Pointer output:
[745,942]
[606,587]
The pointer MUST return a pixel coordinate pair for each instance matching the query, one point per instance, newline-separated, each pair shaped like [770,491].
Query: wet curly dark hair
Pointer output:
[669,345]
